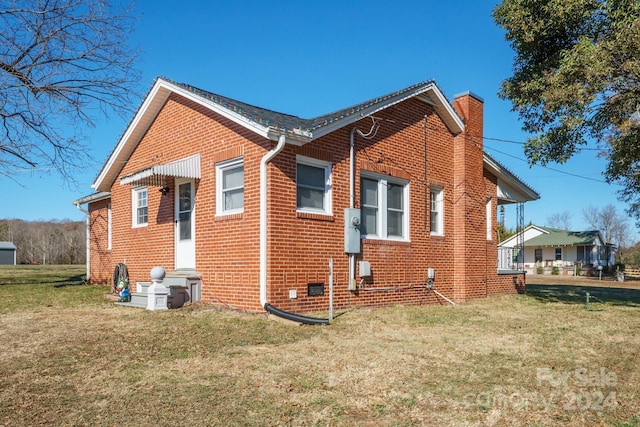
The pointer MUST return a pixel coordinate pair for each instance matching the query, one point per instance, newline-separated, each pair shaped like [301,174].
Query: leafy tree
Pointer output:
[62,64]
[576,78]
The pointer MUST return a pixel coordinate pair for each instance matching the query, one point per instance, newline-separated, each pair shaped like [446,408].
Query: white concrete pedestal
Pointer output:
[157,293]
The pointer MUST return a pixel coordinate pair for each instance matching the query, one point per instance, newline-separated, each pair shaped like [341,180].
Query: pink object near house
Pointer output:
[247,206]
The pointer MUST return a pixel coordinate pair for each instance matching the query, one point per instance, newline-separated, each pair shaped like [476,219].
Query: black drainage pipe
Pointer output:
[295,317]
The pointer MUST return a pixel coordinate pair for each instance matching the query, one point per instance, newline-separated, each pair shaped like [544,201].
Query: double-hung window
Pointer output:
[313,185]
[230,187]
[436,214]
[140,212]
[384,207]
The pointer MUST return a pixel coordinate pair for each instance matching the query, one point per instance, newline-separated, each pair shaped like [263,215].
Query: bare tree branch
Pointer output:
[560,220]
[63,63]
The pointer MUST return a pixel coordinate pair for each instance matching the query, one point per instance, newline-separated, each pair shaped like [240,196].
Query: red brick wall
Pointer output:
[101,267]
[469,206]
[227,248]
[301,245]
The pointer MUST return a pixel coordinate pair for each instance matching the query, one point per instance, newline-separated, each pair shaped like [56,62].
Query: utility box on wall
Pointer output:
[352,231]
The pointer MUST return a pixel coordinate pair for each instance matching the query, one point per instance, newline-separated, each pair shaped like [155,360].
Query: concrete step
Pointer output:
[184,286]
[138,300]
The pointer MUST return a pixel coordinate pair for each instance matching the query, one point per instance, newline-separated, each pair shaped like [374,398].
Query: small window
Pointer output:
[436,211]
[313,185]
[384,207]
[140,207]
[558,254]
[230,187]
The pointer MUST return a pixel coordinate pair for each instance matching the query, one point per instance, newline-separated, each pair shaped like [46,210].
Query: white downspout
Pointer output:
[352,195]
[88,242]
[263,216]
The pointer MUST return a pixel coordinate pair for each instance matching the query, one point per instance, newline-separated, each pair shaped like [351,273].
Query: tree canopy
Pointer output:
[63,63]
[576,79]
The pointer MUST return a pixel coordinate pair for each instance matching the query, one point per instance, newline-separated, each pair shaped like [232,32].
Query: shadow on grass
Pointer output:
[572,294]
[80,279]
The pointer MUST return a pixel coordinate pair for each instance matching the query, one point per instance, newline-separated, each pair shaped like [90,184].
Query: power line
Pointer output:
[433,128]
[550,168]
[510,141]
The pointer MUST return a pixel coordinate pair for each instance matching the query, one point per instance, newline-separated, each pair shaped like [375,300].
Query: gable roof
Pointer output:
[547,236]
[267,123]
[271,124]
[558,237]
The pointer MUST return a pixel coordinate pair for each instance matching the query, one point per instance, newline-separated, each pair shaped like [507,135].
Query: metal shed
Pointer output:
[7,253]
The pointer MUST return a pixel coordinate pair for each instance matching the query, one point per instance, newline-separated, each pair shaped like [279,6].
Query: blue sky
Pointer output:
[309,58]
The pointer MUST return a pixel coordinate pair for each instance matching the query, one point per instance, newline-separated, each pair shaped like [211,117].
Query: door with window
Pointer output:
[185,247]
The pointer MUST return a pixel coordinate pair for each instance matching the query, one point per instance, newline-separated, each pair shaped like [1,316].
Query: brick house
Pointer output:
[252,205]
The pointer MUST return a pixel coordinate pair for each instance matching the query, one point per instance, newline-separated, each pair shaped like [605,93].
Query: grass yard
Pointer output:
[70,357]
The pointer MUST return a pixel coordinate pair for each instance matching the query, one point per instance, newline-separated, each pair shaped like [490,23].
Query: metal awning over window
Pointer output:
[188,167]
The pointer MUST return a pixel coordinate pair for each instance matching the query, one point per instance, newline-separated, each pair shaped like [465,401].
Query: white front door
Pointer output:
[185,225]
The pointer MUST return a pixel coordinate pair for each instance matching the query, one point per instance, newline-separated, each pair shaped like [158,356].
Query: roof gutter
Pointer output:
[270,155]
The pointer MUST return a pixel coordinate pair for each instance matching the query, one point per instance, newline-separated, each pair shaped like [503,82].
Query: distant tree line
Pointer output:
[46,242]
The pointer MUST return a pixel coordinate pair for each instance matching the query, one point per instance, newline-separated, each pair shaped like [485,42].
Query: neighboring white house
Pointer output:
[546,247]
[7,253]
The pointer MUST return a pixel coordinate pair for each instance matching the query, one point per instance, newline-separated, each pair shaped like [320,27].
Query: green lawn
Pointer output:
[70,357]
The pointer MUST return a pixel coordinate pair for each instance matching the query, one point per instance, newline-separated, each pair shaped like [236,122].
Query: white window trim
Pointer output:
[489,218]
[134,206]
[327,166]
[440,210]
[381,233]
[220,169]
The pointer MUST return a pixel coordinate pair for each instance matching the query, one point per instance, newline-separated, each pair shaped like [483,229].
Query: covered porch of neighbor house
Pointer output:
[561,252]
[510,191]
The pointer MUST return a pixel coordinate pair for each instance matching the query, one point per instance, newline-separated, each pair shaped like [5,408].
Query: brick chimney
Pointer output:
[470,260]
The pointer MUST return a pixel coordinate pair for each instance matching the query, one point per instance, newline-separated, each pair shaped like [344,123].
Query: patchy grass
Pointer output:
[576,294]
[76,359]
[36,287]
[57,275]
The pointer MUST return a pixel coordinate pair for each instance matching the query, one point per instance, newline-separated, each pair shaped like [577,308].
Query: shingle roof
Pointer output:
[557,237]
[259,115]
[266,117]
